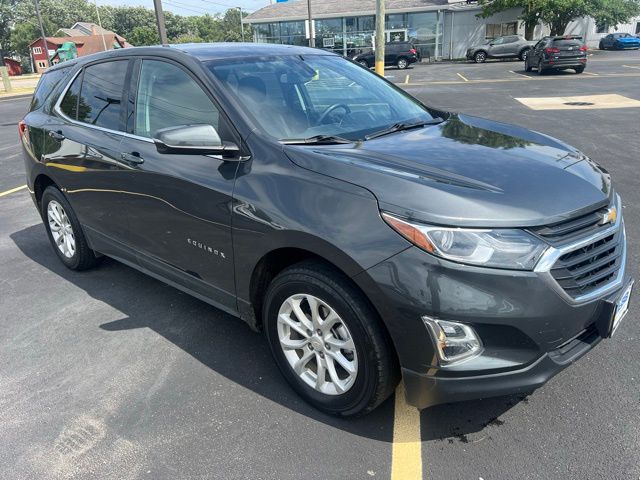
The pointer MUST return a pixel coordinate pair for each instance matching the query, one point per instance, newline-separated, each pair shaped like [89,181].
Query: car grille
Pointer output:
[570,230]
[592,265]
[588,268]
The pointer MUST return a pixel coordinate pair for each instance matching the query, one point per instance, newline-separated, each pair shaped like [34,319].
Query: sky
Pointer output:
[193,7]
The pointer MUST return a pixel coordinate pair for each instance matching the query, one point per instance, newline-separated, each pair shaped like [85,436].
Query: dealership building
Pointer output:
[439,29]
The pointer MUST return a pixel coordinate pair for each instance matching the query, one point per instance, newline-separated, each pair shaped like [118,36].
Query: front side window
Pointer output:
[100,99]
[293,97]
[168,97]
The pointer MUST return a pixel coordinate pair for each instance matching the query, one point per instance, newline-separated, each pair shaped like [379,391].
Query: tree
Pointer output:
[557,14]
[143,36]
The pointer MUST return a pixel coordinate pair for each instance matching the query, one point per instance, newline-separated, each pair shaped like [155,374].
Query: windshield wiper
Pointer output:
[397,127]
[316,140]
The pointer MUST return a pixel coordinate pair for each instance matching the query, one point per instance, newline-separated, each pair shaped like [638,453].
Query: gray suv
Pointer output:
[368,236]
[510,46]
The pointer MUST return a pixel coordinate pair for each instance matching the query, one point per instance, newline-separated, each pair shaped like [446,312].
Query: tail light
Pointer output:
[22,129]
[583,48]
[552,50]
[413,51]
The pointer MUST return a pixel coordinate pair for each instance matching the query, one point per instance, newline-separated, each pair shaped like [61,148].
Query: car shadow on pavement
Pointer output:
[230,348]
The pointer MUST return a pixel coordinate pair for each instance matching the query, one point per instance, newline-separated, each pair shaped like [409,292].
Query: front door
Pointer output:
[179,205]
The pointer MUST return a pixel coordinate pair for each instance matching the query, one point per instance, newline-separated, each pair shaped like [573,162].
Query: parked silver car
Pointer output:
[510,46]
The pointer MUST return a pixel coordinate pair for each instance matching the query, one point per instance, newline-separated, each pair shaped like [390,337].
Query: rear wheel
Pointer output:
[402,63]
[579,69]
[524,54]
[541,70]
[480,57]
[327,341]
[527,67]
[364,63]
[64,231]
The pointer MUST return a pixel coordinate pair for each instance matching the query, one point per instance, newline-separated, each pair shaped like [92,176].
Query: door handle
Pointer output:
[56,135]
[133,157]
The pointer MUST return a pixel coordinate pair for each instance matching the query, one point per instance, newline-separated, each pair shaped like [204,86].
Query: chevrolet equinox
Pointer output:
[370,237]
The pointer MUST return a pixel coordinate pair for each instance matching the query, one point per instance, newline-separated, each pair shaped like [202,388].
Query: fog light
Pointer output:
[454,341]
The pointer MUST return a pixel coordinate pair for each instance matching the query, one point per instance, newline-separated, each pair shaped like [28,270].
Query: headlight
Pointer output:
[496,248]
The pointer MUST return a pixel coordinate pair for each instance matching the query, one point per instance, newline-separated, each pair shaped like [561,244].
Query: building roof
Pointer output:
[297,10]
[88,43]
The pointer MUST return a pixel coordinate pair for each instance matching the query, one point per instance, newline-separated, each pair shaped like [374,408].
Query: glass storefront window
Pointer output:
[395,21]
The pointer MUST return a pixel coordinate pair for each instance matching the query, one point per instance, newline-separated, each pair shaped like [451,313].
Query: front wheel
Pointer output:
[601,46]
[524,54]
[64,231]
[480,57]
[402,63]
[328,341]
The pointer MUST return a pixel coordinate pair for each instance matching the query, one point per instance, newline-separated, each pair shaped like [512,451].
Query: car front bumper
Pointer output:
[529,329]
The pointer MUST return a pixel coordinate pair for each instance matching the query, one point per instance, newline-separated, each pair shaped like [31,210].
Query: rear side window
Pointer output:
[100,100]
[46,85]
[168,97]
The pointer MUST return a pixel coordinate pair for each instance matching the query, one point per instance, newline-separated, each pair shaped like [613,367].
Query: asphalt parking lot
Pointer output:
[111,374]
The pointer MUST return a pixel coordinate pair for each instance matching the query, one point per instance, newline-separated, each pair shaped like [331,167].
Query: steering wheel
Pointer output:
[331,108]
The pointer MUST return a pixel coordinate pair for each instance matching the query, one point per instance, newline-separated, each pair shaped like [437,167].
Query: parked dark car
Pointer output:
[371,238]
[557,53]
[619,41]
[396,54]
[509,46]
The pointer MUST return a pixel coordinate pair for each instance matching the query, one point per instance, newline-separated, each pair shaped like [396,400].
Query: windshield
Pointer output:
[297,97]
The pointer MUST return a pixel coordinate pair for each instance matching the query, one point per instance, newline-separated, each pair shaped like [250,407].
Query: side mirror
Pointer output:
[199,139]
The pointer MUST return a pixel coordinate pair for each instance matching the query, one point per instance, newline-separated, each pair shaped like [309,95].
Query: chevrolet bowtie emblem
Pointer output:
[609,216]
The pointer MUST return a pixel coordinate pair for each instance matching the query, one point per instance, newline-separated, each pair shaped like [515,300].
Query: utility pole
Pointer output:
[44,39]
[162,32]
[241,23]
[104,43]
[312,37]
[380,37]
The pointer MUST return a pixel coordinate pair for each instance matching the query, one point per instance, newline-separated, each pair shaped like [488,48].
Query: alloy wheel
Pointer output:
[402,64]
[317,344]
[480,57]
[61,229]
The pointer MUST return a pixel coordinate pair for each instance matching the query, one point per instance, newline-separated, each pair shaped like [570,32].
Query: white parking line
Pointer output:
[462,77]
[9,146]
[591,73]
[632,66]
[17,189]
[520,74]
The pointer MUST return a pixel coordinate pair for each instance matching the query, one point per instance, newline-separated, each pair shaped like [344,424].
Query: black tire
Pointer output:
[377,372]
[83,257]
[480,57]
[601,46]
[524,54]
[402,63]
[541,70]
[579,69]
[364,63]
[527,67]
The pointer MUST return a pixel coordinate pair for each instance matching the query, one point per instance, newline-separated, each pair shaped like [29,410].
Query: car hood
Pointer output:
[467,171]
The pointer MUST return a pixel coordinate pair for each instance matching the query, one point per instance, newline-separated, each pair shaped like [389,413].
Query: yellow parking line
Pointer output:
[2,194]
[406,79]
[462,77]
[592,74]
[406,456]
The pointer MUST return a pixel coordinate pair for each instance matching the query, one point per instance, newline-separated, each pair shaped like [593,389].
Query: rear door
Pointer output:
[82,147]
[179,205]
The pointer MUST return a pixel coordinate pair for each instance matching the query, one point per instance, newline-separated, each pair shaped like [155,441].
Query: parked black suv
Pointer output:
[369,236]
[557,53]
[396,54]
